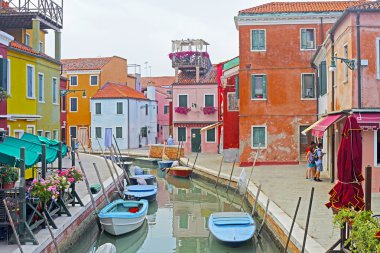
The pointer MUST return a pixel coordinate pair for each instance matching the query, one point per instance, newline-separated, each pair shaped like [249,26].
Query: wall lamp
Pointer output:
[65,92]
[350,63]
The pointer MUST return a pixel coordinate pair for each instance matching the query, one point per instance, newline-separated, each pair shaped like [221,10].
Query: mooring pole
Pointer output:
[291,228]
[256,200]
[196,157]
[12,225]
[264,219]
[308,219]
[232,171]
[122,164]
[368,187]
[114,167]
[250,175]
[22,193]
[43,162]
[220,169]
[51,233]
[72,151]
[101,182]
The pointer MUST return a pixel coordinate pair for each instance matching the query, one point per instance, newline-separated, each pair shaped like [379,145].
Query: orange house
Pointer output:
[278,97]
[85,77]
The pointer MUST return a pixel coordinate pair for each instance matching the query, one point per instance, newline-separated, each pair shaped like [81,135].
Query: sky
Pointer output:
[142,30]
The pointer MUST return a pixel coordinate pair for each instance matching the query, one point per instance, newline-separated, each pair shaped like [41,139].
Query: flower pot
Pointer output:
[9,185]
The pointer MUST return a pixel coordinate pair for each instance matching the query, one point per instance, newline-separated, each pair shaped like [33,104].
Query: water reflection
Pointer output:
[177,221]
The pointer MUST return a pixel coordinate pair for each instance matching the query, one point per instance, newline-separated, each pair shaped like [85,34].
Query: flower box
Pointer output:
[209,110]
[182,110]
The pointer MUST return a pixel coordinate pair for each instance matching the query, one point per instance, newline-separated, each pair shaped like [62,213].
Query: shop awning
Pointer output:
[11,156]
[211,126]
[311,127]
[368,121]
[54,144]
[327,121]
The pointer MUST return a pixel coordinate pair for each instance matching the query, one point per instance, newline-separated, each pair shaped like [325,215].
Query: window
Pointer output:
[119,108]
[93,80]
[182,101]
[41,47]
[73,132]
[8,76]
[55,135]
[98,132]
[3,72]
[183,221]
[169,92]
[98,108]
[47,134]
[258,40]
[209,100]
[27,39]
[73,104]
[307,38]
[146,109]
[144,132]
[30,81]
[41,87]
[55,90]
[377,147]
[232,102]
[119,132]
[210,135]
[73,80]
[258,137]
[308,86]
[166,109]
[259,86]
[345,67]
[322,79]
[63,103]
[40,132]
[30,129]
[378,56]
[181,134]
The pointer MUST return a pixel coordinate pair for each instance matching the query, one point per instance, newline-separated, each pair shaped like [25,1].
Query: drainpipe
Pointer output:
[359,59]
[332,109]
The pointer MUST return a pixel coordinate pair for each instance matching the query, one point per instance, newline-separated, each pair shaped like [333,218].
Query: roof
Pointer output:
[366,6]
[297,7]
[157,81]
[208,78]
[85,63]
[117,90]
[24,48]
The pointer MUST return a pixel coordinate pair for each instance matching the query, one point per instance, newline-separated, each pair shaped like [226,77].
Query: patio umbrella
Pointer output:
[348,191]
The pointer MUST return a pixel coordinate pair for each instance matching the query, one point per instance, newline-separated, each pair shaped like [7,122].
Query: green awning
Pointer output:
[11,156]
[43,140]
[231,63]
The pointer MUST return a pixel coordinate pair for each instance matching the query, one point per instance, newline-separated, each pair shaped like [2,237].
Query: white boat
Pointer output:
[123,216]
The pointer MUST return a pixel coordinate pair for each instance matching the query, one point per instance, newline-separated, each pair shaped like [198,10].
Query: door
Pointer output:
[305,141]
[196,139]
[108,138]
[83,136]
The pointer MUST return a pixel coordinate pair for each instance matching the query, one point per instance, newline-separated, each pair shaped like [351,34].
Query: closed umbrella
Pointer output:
[348,191]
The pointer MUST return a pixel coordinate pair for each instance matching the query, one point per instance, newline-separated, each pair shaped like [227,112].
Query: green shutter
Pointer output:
[323,78]
[255,40]
[262,40]
[303,39]
[264,86]
[253,86]
[237,87]
[3,73]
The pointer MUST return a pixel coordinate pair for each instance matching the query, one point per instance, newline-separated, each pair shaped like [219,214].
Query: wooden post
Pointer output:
[72,152]
[22,192]
[51,233]
[43,162]
[114,167]
[307,220]
[220,169]
[368,187]
[232,171]
[264,219]
[291,228]
[13,226]
[256,201]
[60,156]
[101,182]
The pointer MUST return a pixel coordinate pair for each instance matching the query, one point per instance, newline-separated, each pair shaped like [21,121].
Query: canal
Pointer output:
[177,222]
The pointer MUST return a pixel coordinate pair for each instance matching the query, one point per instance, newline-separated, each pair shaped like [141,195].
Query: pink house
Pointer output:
[195,97]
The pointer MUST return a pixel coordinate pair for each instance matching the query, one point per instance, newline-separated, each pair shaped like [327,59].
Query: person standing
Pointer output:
[318,163]
[170,140]
[312,144]
[310,163]
[77,148]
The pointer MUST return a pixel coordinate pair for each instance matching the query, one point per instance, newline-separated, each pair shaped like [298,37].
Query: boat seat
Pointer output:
[231,221]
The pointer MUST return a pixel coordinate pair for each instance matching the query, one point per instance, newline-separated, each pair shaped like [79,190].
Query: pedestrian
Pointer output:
[312,144]
[318,163]
[170,140]
[77,148]
[68,150]
[310,163]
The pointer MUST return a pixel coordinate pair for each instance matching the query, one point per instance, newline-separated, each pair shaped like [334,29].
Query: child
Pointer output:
[310,163]
[312,144]
[318,163]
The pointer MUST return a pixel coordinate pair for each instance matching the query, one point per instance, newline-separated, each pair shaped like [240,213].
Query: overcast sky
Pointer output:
[142,30]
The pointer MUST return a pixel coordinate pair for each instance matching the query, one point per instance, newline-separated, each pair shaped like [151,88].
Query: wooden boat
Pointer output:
[149,179]
[232,228]
[180,171]
[165,164]
[148,192]
[123,216]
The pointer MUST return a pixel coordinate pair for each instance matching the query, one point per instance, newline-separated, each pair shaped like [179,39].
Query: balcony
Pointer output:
[189,60]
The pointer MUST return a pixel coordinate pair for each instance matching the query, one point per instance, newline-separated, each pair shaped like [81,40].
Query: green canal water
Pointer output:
[177,222]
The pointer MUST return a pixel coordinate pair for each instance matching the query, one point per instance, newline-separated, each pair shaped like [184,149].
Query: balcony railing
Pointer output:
[190,59]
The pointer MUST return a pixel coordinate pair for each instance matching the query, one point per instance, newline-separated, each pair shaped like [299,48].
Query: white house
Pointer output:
[118,111]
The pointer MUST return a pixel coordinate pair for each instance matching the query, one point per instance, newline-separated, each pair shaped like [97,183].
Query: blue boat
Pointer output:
[148,178]
[148,192]
[165,164]
[123,216]
[232,228]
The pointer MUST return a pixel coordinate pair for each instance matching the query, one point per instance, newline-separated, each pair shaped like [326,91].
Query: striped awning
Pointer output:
[311,127]
[211,126]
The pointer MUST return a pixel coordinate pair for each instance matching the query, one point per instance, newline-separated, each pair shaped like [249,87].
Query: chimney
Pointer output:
[197,74]
[176,74]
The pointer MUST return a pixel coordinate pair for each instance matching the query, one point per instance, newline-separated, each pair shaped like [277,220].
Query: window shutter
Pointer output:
[262,40]
[324,78]
[237,87]
[255,40]
[253,86]
[320,80]
[264,86]
[303,38]
[3,73]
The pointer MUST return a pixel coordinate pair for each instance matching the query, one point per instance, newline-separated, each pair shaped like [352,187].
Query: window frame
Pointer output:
[96,108]
[116,136]
[187,99]
[71,104]
[228,102]
[27,39]
[71,83]
[375,136]
[31,126]
[315,39]
[378,58]
[96,133]
[55,94]
[8,76]
[76,133]
[178,139]
[41,47]
[55,132]
[266,136]
[314,95]
[97,80]
[265,41]
[33,82]
[40,132]
[21,131]
[117,108]
[266,85]
[42,87]
[207,141]
[167,109]
[48,133]
[213,99]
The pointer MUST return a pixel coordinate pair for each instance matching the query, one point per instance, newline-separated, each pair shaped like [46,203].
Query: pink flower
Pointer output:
[71,180]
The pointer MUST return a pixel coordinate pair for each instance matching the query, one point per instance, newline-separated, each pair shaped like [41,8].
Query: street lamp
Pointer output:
[349,62]
[65,92]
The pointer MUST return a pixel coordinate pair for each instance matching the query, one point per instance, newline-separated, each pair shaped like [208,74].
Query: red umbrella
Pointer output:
[348,191]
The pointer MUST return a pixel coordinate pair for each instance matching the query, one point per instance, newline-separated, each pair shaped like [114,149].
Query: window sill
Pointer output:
[345,82]
[55,103]
[31,98]
[73,85]
[41,102]
[94,84]
[73,111]
[306,99]
[259,99]
[263,50]
[264,147]
[308,49]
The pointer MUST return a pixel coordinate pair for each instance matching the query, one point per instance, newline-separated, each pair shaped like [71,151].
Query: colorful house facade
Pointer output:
[349,65]
[120,112]
[277,84]
[5,39]
[196,104]
[85,77]
[63,105]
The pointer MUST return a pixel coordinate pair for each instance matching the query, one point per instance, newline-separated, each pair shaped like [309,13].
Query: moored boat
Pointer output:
[232,228]
[123,216]
[180,171]
[148,192]
[148,178]
[164,164]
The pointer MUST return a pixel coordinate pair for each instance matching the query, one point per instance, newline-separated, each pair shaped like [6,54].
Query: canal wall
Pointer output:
[278,222]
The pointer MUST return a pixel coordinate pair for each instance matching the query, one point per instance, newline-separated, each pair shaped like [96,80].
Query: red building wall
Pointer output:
[283,112]
[230,118]
[64,108]
[3,104]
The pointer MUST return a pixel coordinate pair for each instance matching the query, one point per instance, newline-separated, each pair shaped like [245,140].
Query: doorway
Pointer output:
[83,136]
[196,139]
[305,141]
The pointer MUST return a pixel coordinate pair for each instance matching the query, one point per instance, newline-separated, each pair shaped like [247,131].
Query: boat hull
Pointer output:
[148,192]
[232,228]
[165,164]
[149,179]
[180,171]
[116,222]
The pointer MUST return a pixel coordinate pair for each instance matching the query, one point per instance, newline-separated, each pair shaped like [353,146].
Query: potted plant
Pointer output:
[209,110]
[8,177]
[3,94]
[182,110]
[44,190]
[364,229]
[72,175]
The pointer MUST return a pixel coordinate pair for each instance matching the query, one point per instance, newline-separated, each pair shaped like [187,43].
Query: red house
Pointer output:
[5,39]
[63,116]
